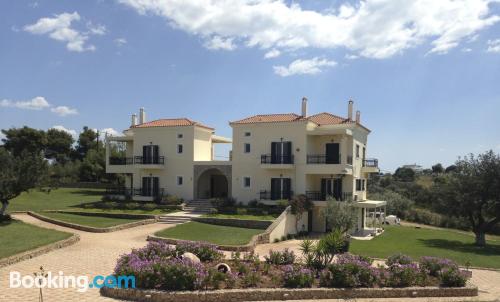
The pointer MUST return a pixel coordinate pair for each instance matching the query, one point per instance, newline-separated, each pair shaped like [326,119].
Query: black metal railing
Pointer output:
[141,160]
[322,159]
[272,195]
[117,160]
[149,192]
[318,195]
[276,159]
[370,162]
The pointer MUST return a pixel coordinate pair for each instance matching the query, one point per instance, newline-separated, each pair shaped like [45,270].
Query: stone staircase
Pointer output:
[173,219]
[198,206]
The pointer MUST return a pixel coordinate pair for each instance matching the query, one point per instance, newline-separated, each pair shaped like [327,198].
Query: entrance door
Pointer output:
[331,187]
[332,153]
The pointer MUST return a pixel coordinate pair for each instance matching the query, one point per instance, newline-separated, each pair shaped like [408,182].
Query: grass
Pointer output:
[429,242]
[92,221]
[242,216]
[125,211]
[17,237]
[62,198]
[221,235]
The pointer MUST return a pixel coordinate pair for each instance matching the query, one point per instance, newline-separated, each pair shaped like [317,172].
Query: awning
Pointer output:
[370,204]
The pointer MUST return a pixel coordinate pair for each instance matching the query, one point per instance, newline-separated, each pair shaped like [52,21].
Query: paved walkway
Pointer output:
[96,254]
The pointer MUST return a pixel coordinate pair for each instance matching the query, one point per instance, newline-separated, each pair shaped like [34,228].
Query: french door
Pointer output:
[281,188]
[332,153]
[281,152]
[331,187]
[150,154]
[150,186]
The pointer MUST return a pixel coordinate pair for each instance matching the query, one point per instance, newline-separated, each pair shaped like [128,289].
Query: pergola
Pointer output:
[371,208]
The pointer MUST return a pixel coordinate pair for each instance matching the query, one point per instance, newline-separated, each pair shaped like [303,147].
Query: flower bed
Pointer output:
[160,266]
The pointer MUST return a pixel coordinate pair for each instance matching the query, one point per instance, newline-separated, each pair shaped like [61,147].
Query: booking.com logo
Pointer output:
[80,283]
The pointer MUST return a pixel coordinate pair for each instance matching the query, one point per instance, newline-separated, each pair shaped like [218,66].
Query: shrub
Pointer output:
[171,200]
[251,279]
[297,277]
[349,271]
[108,205]
[5,217]
[131,205]
[398,259]
[280,258]
[204,251]
[215,278]
[149,206]
[223,202]
[403,275]
[452,277]
[434,265]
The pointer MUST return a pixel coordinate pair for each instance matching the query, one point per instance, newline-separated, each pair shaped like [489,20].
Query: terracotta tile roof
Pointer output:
[270,118]
[324,118]
[174,122]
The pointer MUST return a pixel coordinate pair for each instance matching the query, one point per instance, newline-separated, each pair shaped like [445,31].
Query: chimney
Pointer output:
[304,107]
[142,116]
[134,120]
[349,110]
[358,117]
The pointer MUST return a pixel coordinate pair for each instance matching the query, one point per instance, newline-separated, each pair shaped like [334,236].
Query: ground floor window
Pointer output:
[180,180]
[246,182]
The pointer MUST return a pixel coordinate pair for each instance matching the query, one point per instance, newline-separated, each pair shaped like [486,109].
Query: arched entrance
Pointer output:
[212,183]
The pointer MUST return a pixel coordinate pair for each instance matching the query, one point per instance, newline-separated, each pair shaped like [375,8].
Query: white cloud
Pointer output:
[110,131]
[466,49]
[273,53]
[59,28]
[218,42]
[64,110]
[369,28]
[72,132]
[351,57]
[494,46]
[37,103]
[312,66]
[120,42]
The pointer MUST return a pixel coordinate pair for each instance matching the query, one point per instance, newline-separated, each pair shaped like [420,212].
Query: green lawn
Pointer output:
[17,237]
[59,199]
[124,211]
[92,221]
[429,242]
[222,235]
[242,216]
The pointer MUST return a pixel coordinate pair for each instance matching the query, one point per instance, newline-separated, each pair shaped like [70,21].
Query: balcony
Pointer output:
[270,195]
[322,196]
[141,160]
[117,161]
[269,161]
[323,159]
[328,164]
[370,165]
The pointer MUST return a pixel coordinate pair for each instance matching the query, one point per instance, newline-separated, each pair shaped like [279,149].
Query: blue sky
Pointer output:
[425,74]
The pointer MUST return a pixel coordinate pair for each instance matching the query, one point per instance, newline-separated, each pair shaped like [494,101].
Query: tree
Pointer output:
[58,145]
[19,174]
[450,169]
[341,216]
[93,166]
[437,168]
[299,205]
[26,139]
[86,141]
[473,192]
[404,174]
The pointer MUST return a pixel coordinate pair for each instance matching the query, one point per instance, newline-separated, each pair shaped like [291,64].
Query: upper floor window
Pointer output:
[246,148]
[180,135]
[357,151]
[248,134]
[179,149]
[363,184]
[180,180]
[364,152]
[246,182]
[358,185]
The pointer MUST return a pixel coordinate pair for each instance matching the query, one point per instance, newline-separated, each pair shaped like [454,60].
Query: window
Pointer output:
[180,135]
[246,182]
[363,185]
[248,134]
[357,151]
[358,185]
[364,153]
[179,149]
[246,148]
[180,180]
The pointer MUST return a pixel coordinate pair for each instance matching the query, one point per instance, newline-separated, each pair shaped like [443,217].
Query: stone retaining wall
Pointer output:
[256,239]
[105,214]
[39,251]
[92,229]
[240,223]
[273,294]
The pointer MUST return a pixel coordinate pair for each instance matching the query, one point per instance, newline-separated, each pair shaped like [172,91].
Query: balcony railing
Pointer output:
[269,195]
[115,160]
[322,159]
[276,159]
[318,195]
[141,160]
[371,163]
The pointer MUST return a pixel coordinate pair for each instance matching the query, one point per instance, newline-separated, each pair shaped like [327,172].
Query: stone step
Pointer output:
[174,219]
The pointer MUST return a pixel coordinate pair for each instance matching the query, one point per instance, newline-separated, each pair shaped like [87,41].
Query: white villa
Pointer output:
[273,157]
